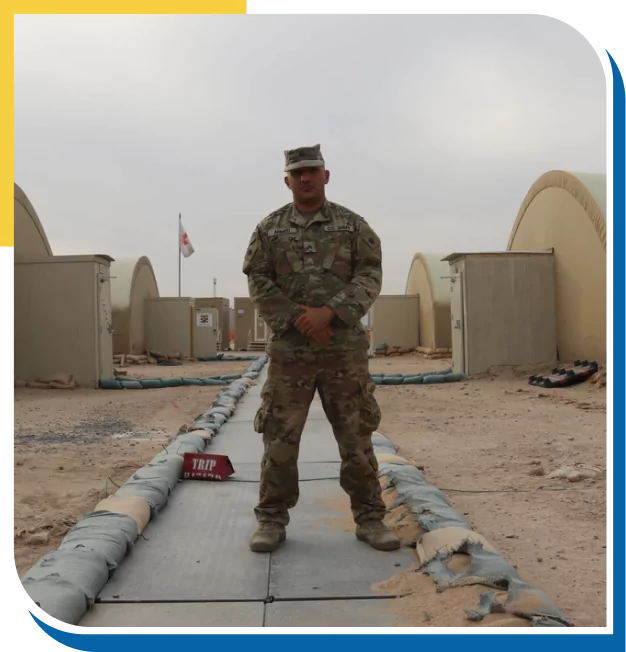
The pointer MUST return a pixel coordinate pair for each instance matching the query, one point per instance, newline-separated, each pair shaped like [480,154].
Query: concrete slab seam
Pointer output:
[66,582]
[437,517]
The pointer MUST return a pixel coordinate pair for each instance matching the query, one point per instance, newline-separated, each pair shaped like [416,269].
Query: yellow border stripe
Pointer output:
[7,68]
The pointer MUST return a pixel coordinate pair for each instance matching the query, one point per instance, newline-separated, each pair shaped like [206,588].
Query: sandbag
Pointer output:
[392,458]
[151,383]
[130,384]
[211,381]
[434,378]
[110,383]
[87,570]
[155,491]
[231,377]
[192,382]
[133,506]
[111,535]
[59,598]
[224,411]
[172,382]
[412,380]
[169,467]
[205,425]
[220,419]
[392,380]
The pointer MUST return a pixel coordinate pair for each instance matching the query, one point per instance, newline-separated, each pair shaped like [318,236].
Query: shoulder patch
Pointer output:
[372,241]
[368,235]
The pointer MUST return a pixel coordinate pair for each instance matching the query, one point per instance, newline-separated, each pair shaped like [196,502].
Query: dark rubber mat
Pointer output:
[322,557]
[193,566]
[243,445]
[246,413]
[197,549]
[247,410]
[307,472]
[332,613]
[194,614]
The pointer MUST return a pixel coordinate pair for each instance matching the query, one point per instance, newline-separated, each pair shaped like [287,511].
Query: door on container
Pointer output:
[204,332]
[217,330]
[105,322]
[259,327]
[225,327]
[458,323]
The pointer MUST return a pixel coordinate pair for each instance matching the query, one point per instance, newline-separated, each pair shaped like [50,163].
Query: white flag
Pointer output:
[184,244]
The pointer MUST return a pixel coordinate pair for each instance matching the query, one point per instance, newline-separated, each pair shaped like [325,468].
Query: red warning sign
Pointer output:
[204,466]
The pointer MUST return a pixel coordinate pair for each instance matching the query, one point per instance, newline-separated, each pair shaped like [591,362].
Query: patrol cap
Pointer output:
[303,157]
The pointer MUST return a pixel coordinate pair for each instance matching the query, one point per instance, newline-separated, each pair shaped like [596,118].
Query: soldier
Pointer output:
[314,269]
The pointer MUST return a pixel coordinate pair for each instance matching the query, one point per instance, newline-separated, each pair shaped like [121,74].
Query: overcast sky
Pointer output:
[433,128]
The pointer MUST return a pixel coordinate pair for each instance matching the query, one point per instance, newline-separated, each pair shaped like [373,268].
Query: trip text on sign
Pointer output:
[203,465]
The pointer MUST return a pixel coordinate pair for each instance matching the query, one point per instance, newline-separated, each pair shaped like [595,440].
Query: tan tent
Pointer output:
[567,212]
[30,238]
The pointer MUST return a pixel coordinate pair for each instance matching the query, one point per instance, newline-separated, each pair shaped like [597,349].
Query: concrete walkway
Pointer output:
[193,568]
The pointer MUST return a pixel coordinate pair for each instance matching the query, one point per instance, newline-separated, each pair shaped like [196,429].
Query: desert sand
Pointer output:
[74,447]
[490,443]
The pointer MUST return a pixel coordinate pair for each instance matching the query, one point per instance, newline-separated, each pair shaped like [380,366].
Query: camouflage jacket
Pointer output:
[333,259]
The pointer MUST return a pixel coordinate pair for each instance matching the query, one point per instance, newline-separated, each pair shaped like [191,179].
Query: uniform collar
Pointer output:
[323,215]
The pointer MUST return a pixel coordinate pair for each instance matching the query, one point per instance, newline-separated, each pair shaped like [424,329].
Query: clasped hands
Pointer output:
[315,323]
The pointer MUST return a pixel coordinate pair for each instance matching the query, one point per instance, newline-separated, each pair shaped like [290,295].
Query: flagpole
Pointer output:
[179,250]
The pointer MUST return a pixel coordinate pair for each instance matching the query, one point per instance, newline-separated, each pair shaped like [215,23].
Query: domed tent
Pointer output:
[566,212]
[425,279]
[30,239]
[133,282]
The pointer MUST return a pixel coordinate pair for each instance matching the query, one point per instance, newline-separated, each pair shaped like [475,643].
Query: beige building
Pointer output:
[222,305]
[177,325]
[502,309]
[244,322]
[428,279]
[132,282]
[567,212]
[393,320]
[63,321]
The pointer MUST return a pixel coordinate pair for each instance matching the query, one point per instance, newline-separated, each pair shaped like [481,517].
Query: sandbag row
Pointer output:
[426,378]
[66,582]
[159,383]
[218,357]
[384,350]
[447,534]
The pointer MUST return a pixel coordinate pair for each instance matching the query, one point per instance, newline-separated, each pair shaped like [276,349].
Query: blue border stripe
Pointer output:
[619,357]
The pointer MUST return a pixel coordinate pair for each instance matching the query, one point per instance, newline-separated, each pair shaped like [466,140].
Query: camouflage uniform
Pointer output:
[332,258]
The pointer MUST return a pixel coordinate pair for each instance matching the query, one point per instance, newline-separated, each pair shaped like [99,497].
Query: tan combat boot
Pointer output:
[378,535]
[267,537]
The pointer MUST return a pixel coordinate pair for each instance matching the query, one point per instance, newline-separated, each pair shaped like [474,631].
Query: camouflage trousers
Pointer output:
[346,390]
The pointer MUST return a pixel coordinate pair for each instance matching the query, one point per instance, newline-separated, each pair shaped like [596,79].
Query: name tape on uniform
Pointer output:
[342,227]
[284,231]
